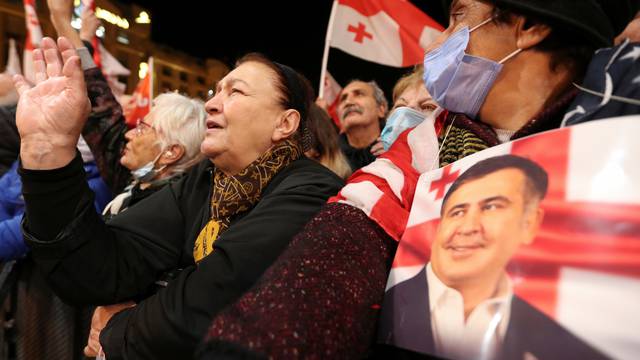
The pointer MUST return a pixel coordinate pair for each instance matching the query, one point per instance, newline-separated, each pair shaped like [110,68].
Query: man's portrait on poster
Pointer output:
[461,305]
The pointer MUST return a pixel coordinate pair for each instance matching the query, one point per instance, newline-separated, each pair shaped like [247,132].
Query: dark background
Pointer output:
[290,32]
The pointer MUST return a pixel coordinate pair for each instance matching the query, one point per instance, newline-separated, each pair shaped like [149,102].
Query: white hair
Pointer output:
[179,120]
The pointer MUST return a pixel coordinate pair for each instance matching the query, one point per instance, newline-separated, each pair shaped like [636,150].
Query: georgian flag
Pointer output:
[583,268]
[33,39]
[388,32]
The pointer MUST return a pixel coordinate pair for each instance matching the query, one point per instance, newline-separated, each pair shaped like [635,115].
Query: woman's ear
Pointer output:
[287,125]
[528,36]
[172,155]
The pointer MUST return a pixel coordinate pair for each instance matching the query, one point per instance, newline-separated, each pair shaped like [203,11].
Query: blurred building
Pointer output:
[127,36]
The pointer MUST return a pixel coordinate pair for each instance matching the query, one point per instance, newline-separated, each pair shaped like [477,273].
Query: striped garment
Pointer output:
[384,189]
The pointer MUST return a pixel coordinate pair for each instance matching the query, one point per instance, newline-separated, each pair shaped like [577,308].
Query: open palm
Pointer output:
[57,106]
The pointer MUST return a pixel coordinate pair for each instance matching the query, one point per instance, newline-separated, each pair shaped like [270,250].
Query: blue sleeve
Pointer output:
[102,193]
[12,245]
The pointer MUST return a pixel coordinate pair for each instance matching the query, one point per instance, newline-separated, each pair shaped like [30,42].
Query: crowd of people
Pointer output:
[242,227]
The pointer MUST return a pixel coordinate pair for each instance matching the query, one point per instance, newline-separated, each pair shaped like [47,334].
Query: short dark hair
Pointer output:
[295,91]
[536,178]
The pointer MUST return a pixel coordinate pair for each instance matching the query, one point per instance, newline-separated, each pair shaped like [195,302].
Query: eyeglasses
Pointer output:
[142,127]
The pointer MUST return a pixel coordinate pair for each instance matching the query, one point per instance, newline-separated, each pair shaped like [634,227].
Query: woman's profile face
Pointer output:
[242,117]
[142,144]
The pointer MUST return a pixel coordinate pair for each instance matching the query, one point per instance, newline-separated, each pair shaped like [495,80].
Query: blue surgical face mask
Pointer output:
[399,120]
[459,82]
[148,171]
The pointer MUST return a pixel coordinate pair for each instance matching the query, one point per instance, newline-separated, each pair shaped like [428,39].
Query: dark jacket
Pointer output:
[405,321]
[357,157]
[616,69]
[90,262]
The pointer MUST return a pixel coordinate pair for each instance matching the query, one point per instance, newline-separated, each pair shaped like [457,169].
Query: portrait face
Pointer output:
[483,223]
[489,41]
[357,106]
[416,97]
[242,116]
[142,144]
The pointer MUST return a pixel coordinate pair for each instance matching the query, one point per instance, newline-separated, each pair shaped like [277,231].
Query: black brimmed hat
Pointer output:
[597,21]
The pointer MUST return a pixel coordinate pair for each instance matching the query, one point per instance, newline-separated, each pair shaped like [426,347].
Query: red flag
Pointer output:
[33,39]
[388,32]
[140,103]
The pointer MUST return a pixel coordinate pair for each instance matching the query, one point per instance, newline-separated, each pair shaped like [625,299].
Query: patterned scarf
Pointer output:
[466,136]
[233,195]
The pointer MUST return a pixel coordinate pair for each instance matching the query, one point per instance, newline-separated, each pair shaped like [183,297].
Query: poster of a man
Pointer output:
[461,305]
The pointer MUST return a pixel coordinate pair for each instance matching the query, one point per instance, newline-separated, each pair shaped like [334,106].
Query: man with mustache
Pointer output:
[461,305]
[362,108]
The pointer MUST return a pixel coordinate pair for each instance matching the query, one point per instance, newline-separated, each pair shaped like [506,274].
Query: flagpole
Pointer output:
[325,56]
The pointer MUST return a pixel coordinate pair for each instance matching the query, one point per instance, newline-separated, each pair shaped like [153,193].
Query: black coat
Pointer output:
[90,262]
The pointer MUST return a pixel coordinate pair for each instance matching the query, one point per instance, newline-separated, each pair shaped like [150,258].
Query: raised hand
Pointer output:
[51,114]
[90,23]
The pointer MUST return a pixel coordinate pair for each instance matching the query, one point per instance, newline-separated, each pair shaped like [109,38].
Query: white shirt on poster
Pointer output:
[481,335]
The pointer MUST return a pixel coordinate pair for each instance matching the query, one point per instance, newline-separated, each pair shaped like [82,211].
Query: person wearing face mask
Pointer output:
[543,46]
[411,105]
[160,148]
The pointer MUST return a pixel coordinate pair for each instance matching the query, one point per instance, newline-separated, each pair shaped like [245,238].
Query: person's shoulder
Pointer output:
[196,177]
[305,172]
[197,172]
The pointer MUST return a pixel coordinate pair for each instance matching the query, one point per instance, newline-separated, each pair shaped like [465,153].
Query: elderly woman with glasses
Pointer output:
[160,148]
[222,224]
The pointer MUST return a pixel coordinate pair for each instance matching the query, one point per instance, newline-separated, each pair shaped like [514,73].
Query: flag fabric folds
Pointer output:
[388,32]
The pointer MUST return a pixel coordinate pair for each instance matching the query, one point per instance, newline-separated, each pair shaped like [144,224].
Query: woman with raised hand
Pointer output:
[223,224]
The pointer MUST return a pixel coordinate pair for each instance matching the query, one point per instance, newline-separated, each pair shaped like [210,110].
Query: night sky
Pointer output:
[290,32]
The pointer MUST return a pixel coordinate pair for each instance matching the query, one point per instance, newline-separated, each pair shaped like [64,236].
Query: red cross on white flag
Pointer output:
[582,269]
[388,32]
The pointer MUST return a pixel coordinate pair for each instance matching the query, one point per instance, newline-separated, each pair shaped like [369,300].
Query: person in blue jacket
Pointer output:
[12,245]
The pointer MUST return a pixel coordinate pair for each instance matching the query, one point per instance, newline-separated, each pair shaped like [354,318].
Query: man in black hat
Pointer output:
[539,48]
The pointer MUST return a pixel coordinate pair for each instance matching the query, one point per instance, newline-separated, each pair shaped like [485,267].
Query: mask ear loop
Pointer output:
[482,23]
[516,52]
[446,134]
